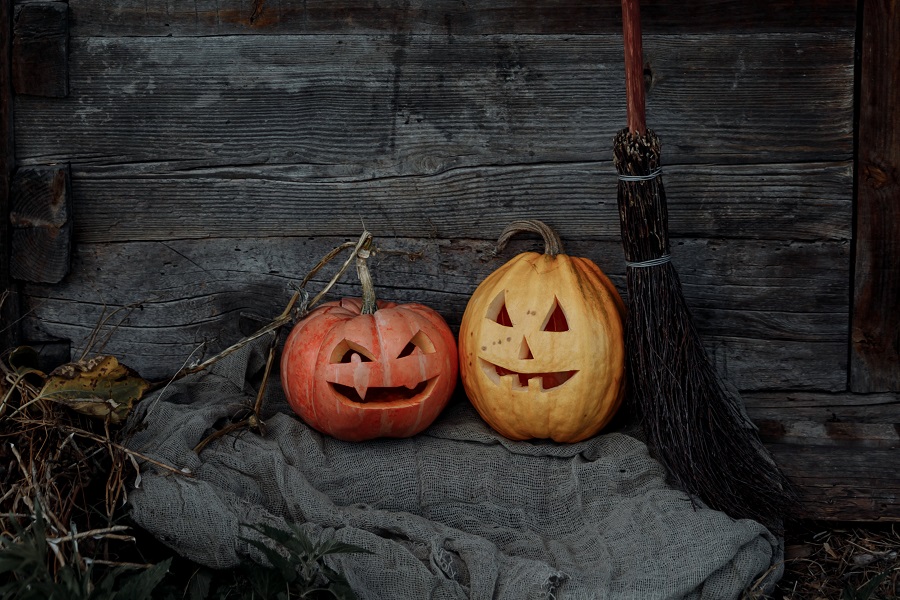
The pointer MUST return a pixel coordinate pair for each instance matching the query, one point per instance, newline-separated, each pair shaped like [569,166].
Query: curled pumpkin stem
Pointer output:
[552,241]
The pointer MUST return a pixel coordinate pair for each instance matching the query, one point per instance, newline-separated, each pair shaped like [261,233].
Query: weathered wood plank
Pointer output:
[187,292]
[842,480]
[875,348]
[789,406]
[41,49]
[842,450]
[380,106]
[9,306]
[831,434]
[804,201]
[447,17]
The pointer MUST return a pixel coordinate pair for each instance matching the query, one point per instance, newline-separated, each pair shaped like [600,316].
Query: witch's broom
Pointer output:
[694,424]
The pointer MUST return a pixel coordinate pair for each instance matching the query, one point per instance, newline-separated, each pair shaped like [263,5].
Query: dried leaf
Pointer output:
[99,387]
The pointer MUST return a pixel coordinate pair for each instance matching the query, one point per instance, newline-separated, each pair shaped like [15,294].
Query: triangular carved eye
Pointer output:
[418,344]
[348,356]
[408,349]
[556,319]
[345,351]
[503,317]
[497,311]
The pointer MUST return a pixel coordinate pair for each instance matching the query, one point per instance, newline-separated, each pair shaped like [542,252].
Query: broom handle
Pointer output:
[634,66]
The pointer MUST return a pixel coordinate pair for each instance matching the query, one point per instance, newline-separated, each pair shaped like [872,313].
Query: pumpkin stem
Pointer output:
[552,242]
[369,305]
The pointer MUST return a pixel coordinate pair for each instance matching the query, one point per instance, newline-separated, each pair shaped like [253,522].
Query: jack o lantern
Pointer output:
[541,344]
[359,369]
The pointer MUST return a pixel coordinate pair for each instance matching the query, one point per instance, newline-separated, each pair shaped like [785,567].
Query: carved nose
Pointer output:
[525,351]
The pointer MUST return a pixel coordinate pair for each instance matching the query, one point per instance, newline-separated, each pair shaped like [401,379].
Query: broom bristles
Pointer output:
[694,424]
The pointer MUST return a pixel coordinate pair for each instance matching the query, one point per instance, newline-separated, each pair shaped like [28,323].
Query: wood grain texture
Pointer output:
[875,349]
[841,449]
[189,292]
[447,17]
[841,407]
[41,216]
[842,481]
[9,307]
[829,433]
[41,49]
[412,134]
[382,106]
[146,202]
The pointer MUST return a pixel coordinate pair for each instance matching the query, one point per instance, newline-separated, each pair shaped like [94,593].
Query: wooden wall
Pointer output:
[215,151]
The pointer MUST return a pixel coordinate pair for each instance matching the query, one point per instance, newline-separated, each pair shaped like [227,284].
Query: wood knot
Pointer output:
[876,177]
[650,76]
[258,7]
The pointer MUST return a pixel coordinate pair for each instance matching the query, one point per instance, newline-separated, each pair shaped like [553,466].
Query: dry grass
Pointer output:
[826,561]
[69,463]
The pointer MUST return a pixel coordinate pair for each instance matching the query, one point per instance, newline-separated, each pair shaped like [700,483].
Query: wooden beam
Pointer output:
[875,340]
[450,17]
[40,210]
[8,308]
[40,51]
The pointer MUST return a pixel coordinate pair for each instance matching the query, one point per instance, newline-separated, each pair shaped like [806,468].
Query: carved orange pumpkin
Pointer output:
[541,344]
[357,370]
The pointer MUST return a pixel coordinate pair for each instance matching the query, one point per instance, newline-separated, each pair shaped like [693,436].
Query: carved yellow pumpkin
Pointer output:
[541,344]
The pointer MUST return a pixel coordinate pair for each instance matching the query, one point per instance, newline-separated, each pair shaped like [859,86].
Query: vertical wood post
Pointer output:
[875,339]
[40,49]
[9,308]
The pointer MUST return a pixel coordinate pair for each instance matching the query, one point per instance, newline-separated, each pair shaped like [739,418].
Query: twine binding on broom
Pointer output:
[649,176]
[654,262]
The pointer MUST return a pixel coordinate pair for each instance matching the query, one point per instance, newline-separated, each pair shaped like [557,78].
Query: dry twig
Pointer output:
[290,314]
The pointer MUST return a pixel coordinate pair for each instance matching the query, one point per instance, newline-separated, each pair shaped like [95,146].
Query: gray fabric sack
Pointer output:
[455,512]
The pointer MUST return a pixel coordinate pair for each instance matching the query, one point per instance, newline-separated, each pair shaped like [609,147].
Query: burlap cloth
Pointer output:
[456,512]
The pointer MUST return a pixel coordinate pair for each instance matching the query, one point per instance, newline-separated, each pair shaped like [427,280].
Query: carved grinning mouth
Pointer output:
[522,381]
[383,394]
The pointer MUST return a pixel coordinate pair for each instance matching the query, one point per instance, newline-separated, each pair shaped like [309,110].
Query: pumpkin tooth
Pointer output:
[523,381]
[509,381]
